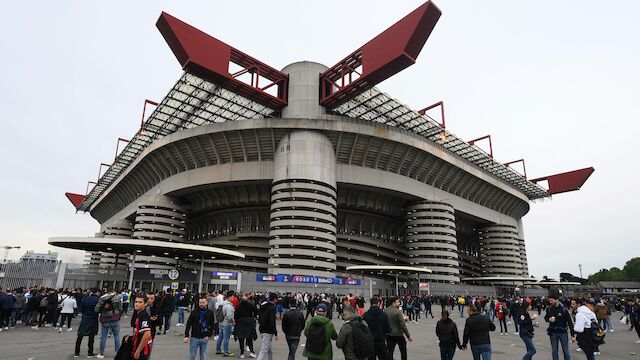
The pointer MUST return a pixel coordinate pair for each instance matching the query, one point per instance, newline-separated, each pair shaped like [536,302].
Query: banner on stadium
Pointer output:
[222,275]
[184,275]
[303,279]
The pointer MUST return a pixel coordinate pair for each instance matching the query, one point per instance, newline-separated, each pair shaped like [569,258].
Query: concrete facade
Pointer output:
[310,193]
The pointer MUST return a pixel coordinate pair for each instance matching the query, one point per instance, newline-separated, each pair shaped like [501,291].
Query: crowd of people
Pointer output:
[371,329]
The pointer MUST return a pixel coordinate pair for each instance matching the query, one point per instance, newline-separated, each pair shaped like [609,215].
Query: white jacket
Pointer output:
[584,316]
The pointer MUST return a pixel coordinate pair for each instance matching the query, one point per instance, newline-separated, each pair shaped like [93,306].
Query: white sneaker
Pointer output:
[516,333]
[611,330]
[501,333]
[252,355]
[596,353]
[246,348]
[100,356]
[69,329]
[637,341]
[35,328]
[59,330]
[215,337]
[241,356]
[578,349]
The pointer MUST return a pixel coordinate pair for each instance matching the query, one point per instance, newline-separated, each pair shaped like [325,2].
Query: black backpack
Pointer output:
[316,339]
[220,314]
[597,333]
[362,340]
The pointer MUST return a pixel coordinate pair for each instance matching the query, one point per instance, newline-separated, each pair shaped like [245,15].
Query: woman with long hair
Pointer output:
[526,330]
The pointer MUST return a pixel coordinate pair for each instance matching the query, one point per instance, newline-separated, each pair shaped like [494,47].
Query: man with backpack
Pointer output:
[355,338]
[109,308]
[292,326]
[225,317]
[587,328]
[379,326]
[268,331]
[559,321]
[398,329]
[319,332]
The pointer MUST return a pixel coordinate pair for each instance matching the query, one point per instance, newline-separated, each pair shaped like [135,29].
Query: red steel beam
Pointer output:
[387,54]
[441,105]
[567,181]
[524,168]
[209,58]
[76,199]
[471,142]
[100,169]
[144,109]
[118,145]
[89,183]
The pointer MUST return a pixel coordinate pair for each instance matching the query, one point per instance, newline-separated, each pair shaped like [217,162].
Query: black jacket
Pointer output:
[447,333]
[526,325]
[268,318]
[167,304]
[476,330]
[562,320]
[378,323]
[193,324]
[292,323]
[245,318]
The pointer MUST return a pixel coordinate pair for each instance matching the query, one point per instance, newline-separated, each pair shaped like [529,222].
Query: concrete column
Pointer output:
[132,269]
[304,84]
[500,251]
[201,274]
[523,250]
[370,288]
[160,218]
[302,236]
[431,239]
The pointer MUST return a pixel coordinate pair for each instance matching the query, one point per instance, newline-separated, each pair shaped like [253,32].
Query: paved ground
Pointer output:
[47,344]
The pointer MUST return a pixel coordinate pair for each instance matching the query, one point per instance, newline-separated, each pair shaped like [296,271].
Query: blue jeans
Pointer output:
[531,349]
[180,315]
[223,338]
[564,341]
[197,345]
[461,309]
[293,342]
[114,327]
[447,352]
[481,351]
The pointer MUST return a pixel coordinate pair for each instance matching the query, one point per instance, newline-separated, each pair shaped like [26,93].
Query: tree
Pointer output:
[632,269]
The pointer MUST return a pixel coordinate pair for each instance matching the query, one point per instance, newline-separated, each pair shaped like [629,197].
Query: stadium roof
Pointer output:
[208,93]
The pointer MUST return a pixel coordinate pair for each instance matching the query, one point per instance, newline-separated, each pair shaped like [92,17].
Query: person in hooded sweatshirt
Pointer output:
[448,335]
[582,327]
[346,340]
[378,322]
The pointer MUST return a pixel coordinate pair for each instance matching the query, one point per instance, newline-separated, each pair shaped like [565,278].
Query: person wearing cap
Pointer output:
[582,327]
[329,333]
[559,321]
[268,326]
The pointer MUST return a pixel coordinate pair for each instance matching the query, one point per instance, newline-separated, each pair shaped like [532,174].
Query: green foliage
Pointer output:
[630,272]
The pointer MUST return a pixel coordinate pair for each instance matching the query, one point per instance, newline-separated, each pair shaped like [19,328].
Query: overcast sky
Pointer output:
[555,82]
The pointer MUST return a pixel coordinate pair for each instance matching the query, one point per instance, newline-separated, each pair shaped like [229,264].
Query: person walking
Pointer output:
[448,336]
[200,325]
[516,311]
[476,333]
[245,329]
[225,324]
[67,309]
[267,327]
[503,311]
[292,326]
[559,321]
[378,322]
[165,311]
[584,318]
[526,330]
[354,339]
[109,307]
[398,329]
[89,322]
[183,299]
[319,332]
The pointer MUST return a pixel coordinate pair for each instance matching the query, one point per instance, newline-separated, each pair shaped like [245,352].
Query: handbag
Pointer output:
[623,319]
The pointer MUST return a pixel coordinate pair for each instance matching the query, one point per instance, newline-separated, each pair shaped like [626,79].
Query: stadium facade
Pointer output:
[309,170]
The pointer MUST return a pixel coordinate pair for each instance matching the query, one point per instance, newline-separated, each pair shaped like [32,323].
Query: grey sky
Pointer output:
[557,83]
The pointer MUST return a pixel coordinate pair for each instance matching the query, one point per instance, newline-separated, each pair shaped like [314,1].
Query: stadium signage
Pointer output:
[220,275]
[165,274]
[303,279]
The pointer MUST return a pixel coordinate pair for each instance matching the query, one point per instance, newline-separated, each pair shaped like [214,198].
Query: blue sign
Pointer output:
[304,279]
